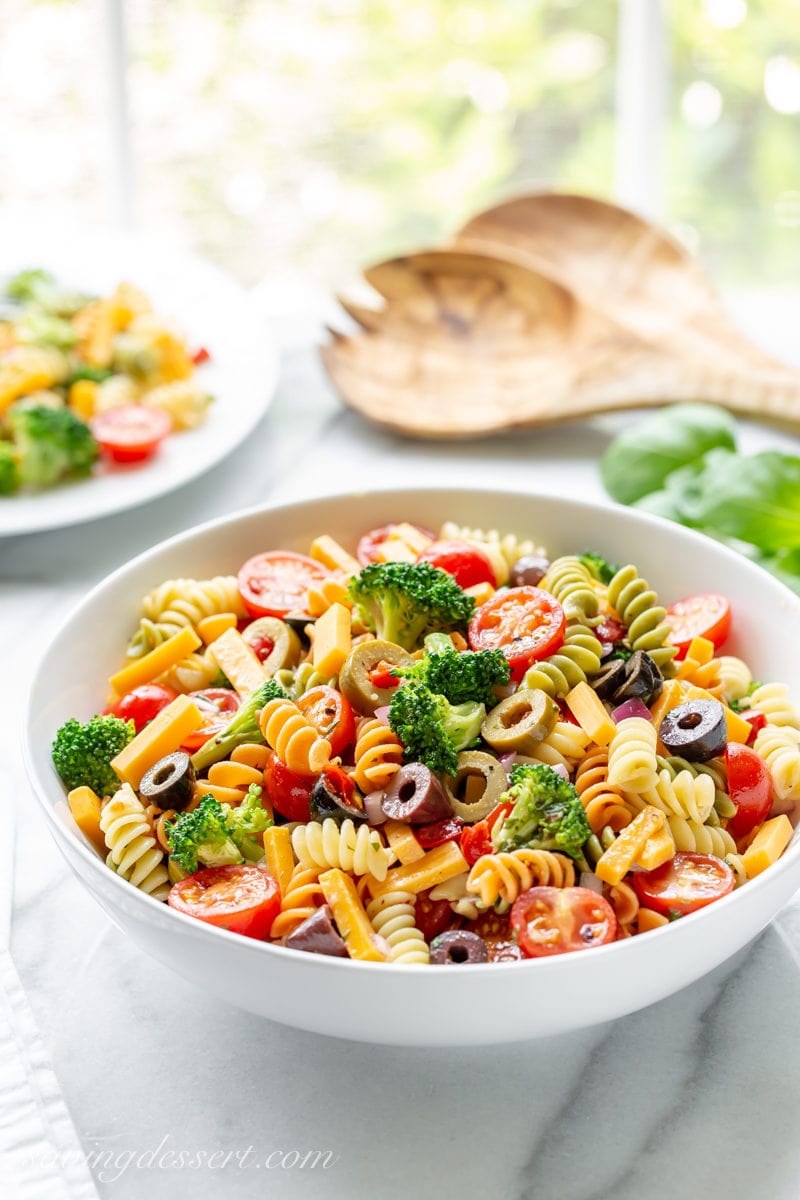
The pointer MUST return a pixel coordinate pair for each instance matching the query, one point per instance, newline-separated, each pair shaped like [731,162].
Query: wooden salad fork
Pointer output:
[541,309]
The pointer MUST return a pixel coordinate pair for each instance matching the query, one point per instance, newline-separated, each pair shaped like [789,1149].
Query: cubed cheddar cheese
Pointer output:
[82,397]
[768,845]
[210,628]
[163,735]
[278,856]
[588,710]
[480,592]
[85,807]
[394,549]
[416,539]
[671,696]
[350,916]
[402,841]
[150,666]
[435,867]
[332,640]
[701,650]
[238,661]
[623,852]
[327,551]
[658,849]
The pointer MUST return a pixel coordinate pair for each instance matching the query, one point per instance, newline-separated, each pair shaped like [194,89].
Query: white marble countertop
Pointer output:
[697,1095]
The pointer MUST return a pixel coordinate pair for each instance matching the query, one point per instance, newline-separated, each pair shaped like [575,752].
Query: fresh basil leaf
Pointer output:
[755,498]
[662,504]
[638,462]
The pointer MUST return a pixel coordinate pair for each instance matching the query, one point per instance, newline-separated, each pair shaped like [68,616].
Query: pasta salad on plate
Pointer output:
[434,748]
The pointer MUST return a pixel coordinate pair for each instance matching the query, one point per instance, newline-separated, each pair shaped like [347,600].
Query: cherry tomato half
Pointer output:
[142,704]
[750,788]
[548,920]
[684,884]
[130,433]
[275,583]
[217,705]
[439,832]
[331,715]
[707,615]
[244,899]
[610,630]
[526,623]
[432,917]
[755,719]
[201,355]
[369,545]
[476,840]
[289,792]
[466,563]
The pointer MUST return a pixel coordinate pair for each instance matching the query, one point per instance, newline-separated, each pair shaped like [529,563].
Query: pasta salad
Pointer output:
[84,378]
[434,748]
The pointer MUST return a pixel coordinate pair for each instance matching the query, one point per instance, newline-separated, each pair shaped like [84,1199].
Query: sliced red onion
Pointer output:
[561,770]
[507,761]
[382,714]
[591,881]
[606,648]
[372,807]
[631,708]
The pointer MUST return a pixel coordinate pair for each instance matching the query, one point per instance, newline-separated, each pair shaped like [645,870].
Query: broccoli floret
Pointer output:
[246,821]
[547,813]
[242,727]
[600,567]
[85,371]
[41,328]
[29,285]
[9,469]
[82,753]
[203,836]
[459,676]
[51,443]
[431,729]
[402,602]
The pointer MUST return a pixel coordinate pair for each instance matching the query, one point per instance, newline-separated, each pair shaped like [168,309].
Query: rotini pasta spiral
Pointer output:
[502,549]
[772,699]
[564,746]
[704,839]
[132,848]
[736,864]
[577,658]
[392,917]
[462,902]
[497,879]
[303,897]
[684,795]
[625,903]
[177,603]
[572,585]
[299,680]
[714,768]
[604,805]
[378,755]
[293,738]
[734,677]
[639,610]
[779,746]
[325,845]
[632,756]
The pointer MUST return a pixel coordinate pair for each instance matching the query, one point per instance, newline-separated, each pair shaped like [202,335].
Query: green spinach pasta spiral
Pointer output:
[569,581]
[577,658]
[639,610]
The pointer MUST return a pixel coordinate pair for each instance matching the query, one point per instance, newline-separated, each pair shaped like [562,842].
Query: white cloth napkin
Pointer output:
[41,1157]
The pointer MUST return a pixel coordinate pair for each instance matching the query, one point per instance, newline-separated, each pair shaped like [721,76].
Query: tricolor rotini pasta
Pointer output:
[390,767]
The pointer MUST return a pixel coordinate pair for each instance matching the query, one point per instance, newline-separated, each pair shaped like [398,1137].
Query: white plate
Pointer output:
[205,304]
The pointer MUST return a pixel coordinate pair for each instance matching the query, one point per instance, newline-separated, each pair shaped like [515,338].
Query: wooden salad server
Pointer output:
[542,309]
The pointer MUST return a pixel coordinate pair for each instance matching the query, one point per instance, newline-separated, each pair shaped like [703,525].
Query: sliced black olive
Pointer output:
[169,783]
[695,730]
[520,721]
[415,795]
[326,801]
[528,571]
[458,946]
[609,679]
[644,680]
[318,935]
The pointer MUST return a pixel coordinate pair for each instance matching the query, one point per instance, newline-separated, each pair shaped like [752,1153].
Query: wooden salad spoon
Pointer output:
[542,309]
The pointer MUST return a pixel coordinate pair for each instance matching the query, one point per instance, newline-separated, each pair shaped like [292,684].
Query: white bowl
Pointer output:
[418,1005]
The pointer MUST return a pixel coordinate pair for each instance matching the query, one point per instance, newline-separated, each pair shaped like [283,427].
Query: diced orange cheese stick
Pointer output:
[768,845]
[81,398]
[163,735]
[332,640]
[701,650]
[647,919]
[210,628]
[435,867]
[278,856]
[150,666]
[235,775]
[671,696]
[350,916]
[414,538]
[623,852]
[657,850]
[85,807]
[232,655]
[394,549]
[588,710]
[480,592]
[401,839]
[328,552]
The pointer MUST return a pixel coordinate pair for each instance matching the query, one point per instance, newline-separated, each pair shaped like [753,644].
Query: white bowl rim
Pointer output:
[200,928]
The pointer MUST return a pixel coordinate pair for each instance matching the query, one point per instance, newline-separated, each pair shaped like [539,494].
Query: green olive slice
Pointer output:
[286,645]
[476,787]
[355,677]
[520,722]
